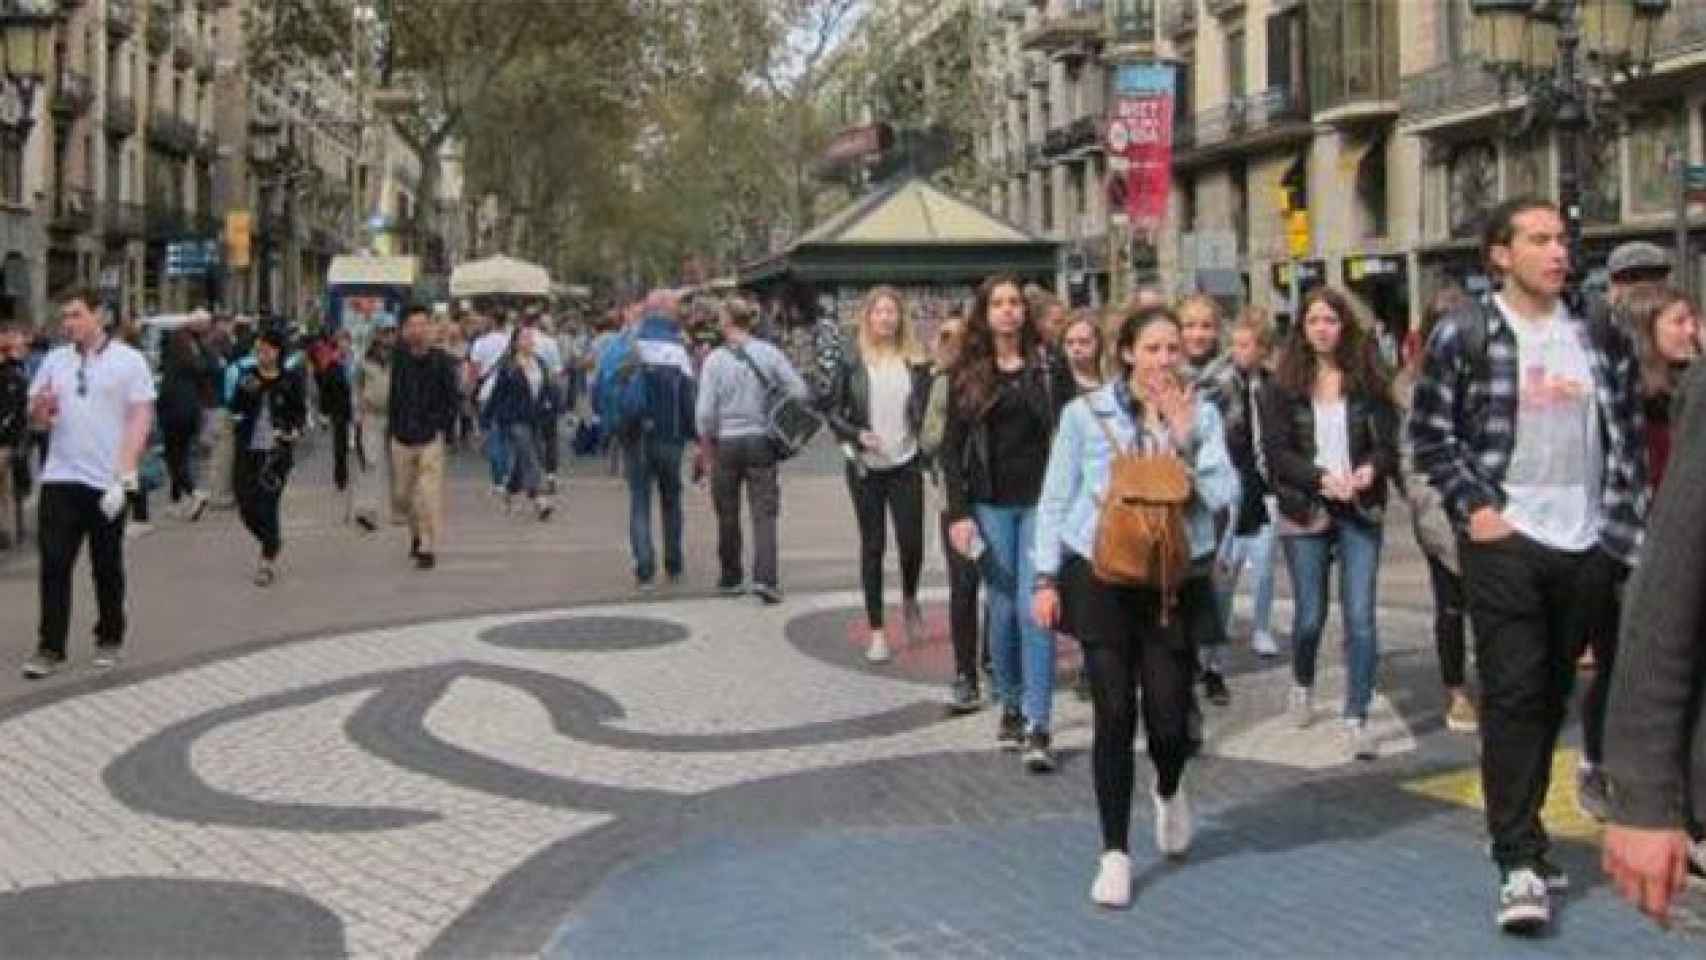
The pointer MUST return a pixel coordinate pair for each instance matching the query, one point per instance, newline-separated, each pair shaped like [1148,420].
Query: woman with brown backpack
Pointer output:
[1124,549]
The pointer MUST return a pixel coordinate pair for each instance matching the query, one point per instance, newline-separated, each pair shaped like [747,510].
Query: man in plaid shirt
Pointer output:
[1526,419]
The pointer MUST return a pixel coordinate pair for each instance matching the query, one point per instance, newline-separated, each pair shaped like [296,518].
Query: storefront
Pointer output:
[1310,274]
[1382,283]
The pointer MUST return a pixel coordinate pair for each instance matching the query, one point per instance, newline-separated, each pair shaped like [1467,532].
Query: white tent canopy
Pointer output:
[379,271]
[500,275]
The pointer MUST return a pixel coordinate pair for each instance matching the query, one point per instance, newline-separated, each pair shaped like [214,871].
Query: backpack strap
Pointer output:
[1107,431]
[763,380]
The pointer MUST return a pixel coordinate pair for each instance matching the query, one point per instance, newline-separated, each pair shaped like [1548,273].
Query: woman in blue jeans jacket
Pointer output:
[1128,644]
[1330,439]
[1005,397]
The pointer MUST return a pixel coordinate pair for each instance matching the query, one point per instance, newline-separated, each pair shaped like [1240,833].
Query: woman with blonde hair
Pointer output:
[876,402]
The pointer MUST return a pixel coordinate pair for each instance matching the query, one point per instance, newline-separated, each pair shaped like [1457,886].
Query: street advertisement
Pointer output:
[1140,142]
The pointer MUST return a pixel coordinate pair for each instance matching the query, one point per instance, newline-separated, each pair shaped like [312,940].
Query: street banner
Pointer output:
[1140,133]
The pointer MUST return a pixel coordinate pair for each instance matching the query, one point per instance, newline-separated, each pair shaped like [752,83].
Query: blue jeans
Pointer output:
[650,461]
[1310,560]
[497,451]
[1256,550]
[1021,652]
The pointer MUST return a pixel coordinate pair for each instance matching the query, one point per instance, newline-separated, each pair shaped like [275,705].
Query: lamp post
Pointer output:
[1566,58]
[26,42]
[274,161]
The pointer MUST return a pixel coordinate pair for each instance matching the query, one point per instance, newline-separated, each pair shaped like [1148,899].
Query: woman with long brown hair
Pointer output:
[1330,436]
[876,402]
[1006,398]
[1081,344]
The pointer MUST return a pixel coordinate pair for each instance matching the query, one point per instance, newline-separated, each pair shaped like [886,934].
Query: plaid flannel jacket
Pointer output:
[1464,421]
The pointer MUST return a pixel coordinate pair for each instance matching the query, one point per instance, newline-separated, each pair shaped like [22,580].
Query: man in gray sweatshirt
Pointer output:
[734,425]
[1655,724]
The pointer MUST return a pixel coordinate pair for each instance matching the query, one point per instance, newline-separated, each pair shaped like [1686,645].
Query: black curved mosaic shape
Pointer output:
[587,634]
[145,917]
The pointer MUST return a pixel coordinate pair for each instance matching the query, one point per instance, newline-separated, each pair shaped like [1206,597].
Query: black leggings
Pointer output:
[1449,628]
[180,440]
[1127,650]
[258,496]
[963,581]
[901,492]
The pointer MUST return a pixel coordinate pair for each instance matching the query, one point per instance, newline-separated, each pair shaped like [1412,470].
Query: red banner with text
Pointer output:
[1140,144]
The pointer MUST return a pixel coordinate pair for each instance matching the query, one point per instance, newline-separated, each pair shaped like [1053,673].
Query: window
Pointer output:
[1286,70]
[1236,82]
[1366,31]
[1654,140]
[1371,188]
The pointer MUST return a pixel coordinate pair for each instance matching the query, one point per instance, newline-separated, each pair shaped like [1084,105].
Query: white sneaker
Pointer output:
[1113,881]
[1173,826]
[1263,645]
[1298,707]
[136,531]
[878,651]
[1362,743]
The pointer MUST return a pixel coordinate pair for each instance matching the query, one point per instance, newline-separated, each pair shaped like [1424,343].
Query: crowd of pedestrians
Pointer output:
[1101,478]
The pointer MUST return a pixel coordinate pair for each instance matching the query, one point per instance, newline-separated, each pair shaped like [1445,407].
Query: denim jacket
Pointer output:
[1077,476]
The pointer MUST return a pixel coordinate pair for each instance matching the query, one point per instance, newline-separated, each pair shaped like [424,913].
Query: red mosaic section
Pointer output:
[932,656]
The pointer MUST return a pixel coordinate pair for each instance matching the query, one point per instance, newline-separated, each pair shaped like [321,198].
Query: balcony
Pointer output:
[121,116]
[159,34]
[1446,89]
[121,20]
[1179,18]
[1073,22]
[183,48]
[72,94]
[73,211]
[124,220]
[1276,117]
[1223,8]
[167,220]
[1359,82]
[1071,138]
[171,133]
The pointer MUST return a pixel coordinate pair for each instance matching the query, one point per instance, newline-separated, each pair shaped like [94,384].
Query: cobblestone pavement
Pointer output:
[706,777]
[552,767]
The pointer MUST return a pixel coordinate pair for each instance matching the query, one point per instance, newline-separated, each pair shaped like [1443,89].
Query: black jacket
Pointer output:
[187,373]
[848,406]
[514,401]
[965,442]
[1655,724]
[1288,446]
[285,396]
[425,396]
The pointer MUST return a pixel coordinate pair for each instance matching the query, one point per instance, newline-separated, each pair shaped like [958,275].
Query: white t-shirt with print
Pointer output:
[1553,481]
[93,406]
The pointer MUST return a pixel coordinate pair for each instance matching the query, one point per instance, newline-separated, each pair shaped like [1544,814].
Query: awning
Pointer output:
[373,271]
[499,276]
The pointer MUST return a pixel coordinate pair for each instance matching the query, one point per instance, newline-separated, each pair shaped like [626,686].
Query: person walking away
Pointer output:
[963,576]
[1666,331]
[184,369]
[331,363]
[424,398]
[1006,399]
[1330,437]
[483,357]
[522,402]
[14,431]
[1134,638]
[373,480]
[95,398]
[1527,419]
[1655,722]
[877,404]
[1252,536]
[269,410]
[734,429]
[550,357]
[1208,369]
[1435,536]
[653,445]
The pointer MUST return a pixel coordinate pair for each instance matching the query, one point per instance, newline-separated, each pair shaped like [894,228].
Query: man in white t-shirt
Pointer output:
[96,397]
[485,355]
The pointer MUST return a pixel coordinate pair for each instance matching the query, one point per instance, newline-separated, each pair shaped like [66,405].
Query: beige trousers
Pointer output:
[418,483]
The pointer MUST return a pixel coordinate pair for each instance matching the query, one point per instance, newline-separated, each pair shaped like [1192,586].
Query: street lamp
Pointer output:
[272,158]
[25,49]
[1536,47]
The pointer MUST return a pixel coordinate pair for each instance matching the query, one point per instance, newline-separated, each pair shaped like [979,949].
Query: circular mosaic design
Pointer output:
[587,634]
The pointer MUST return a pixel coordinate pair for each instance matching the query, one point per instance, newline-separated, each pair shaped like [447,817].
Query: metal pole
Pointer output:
[1571,121]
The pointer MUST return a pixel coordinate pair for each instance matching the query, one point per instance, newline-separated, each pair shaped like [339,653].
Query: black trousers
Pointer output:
[180,440]
[1531,607]
[260,480]
[748,462]
[963,583]
[548,443]
[1126,650]
[1602,639]
[340,452]
[66,514]
[1449,626]
[877,495]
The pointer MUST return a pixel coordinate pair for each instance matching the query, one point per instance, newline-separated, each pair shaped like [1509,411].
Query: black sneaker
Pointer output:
[425,561]
[1010,735]
[1524,905]
[1557,881]
[963,697]
[1214,687]
[414,547]
[1038,757]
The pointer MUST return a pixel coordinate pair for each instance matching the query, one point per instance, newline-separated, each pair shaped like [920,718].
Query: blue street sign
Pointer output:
[191,258]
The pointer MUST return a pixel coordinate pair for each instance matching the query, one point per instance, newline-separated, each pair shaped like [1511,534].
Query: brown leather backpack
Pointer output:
[1141,537]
